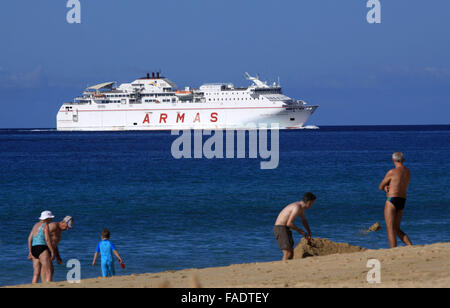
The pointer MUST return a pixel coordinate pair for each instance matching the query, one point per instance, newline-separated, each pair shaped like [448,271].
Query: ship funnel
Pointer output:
[157,75]
[148,75]
[153,74]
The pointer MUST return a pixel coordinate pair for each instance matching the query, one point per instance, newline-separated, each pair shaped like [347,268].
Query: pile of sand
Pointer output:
[375,227]
[322,247]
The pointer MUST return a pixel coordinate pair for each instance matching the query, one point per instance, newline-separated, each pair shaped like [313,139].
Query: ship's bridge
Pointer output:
[214,87]
[154,83]
[277,97]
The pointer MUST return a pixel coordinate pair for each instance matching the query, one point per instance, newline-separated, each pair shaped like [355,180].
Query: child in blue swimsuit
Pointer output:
[106,249]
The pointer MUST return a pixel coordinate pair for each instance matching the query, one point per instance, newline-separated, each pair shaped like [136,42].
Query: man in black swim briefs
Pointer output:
[395,184]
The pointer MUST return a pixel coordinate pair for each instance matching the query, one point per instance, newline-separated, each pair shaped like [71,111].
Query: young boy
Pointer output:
[106,249]
[285,222]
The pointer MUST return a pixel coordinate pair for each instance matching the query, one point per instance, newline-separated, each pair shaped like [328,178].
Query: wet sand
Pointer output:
[416,266]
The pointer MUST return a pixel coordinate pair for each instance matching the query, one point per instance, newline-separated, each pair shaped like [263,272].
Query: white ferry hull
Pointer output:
[154,103]
[123,117]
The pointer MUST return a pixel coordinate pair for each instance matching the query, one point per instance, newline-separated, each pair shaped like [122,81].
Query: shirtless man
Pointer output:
[285,222]
[55,230]
[395,184]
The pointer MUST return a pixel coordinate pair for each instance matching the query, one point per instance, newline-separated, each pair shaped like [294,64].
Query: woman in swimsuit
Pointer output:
[41,250]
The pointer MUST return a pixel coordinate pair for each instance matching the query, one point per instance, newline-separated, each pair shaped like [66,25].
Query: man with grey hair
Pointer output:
[55,231]
[395,184]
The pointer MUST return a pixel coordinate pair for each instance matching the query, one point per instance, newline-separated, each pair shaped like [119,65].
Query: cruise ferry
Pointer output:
[155,103]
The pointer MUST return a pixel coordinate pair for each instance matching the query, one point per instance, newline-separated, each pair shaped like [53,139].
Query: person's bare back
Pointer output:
[396,182]
[55,233]
[293,208]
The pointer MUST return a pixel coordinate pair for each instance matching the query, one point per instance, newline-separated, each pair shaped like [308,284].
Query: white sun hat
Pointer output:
[46,215]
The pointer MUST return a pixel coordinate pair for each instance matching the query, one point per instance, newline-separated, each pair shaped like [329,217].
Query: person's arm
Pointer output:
[97,251]
[58,257]
[55,241]
[290,223]
[95,258]
[118,256]
[384,185]
[115,252]
[305,223]
[30,241]
[49,242]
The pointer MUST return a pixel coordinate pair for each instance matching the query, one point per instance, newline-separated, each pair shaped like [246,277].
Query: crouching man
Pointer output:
[285,223]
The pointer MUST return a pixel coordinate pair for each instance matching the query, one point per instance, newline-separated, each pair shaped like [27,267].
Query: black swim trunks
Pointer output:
[398,202]
[37,250]
[284,237]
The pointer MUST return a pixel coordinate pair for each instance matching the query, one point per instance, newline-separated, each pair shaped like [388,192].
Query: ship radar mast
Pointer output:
[258,83]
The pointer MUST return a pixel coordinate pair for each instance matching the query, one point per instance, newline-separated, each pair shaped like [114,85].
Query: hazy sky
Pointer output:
[324,51]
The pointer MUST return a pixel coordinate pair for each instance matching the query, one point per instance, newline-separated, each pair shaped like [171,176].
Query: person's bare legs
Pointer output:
[401,235]
[288,255]
[46,270]
[36,270]
[390,214]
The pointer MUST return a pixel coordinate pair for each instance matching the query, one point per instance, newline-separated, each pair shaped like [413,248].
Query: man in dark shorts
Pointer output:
[285,222]
[395,184]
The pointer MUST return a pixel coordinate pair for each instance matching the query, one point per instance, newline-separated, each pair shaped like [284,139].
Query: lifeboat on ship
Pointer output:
[184,95]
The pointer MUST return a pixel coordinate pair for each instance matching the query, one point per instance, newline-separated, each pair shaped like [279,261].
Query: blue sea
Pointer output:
[168,214]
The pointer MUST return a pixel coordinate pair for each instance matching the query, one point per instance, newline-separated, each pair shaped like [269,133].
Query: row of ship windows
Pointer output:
[174,100]
[105,102]
[128,95]
[118,101]
[238,93]
[223,93]
[157,95]
[232,99]
[125,95]
[154,100]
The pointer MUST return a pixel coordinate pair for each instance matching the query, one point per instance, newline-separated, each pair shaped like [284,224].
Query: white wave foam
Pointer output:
[36,130]
[310,127]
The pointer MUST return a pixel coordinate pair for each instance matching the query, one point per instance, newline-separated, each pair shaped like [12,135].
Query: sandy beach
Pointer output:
[416,266]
